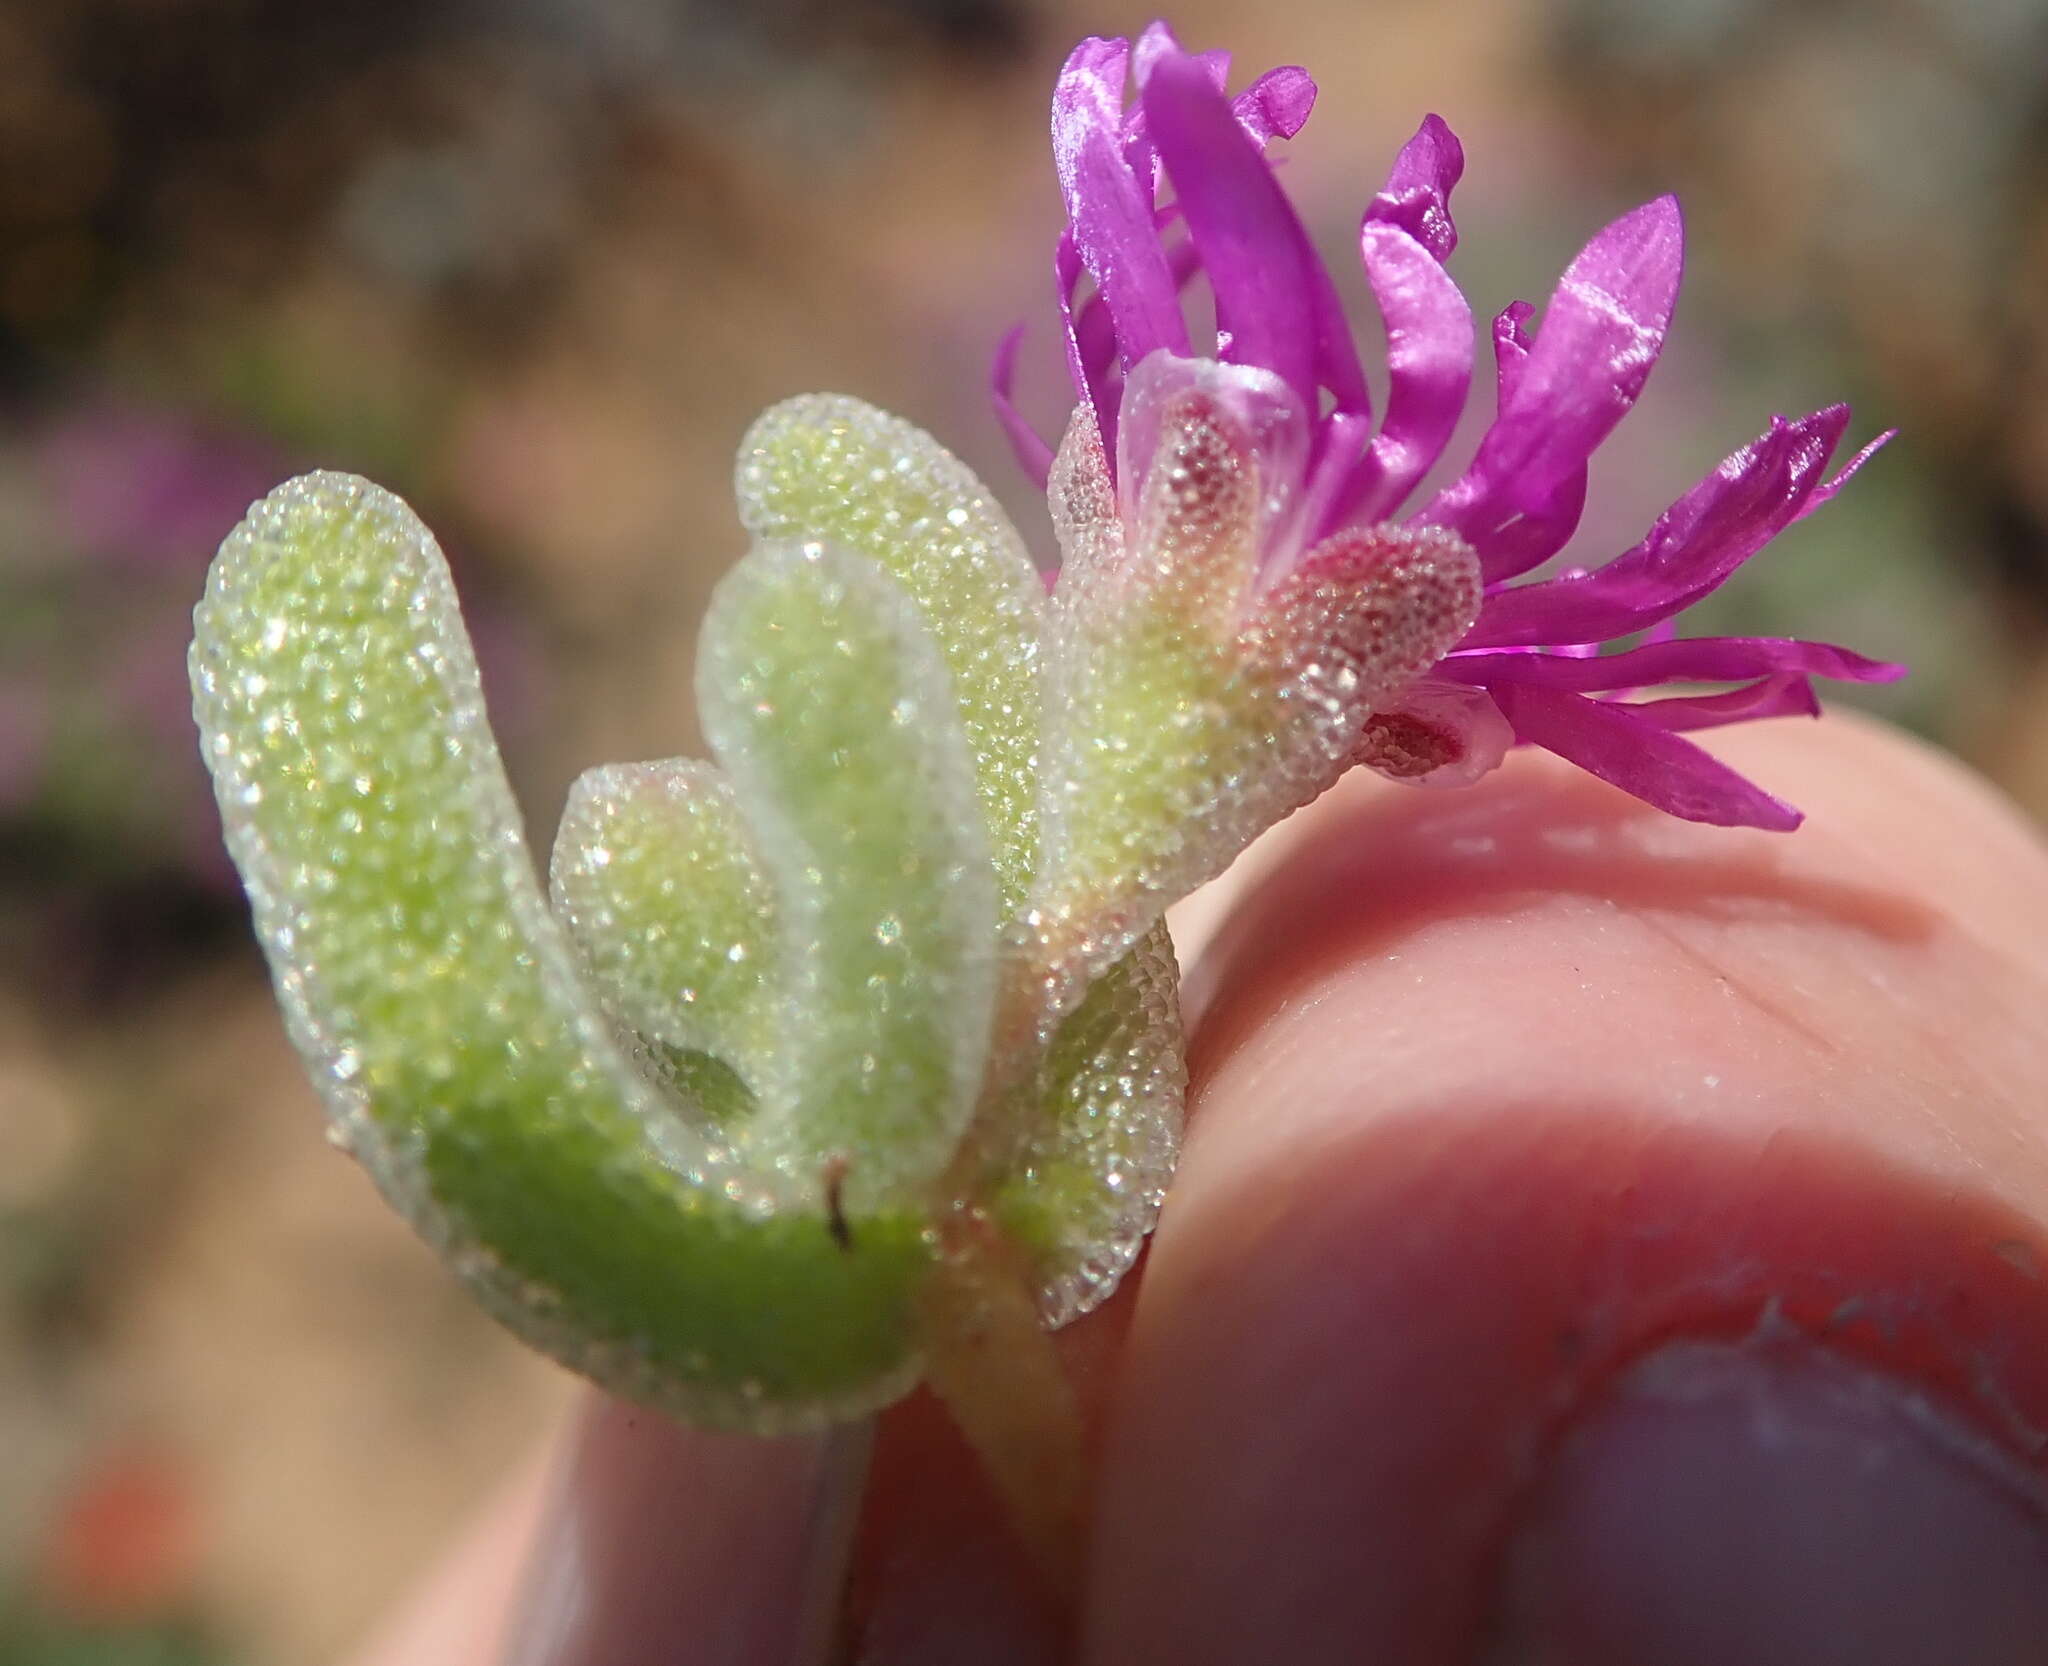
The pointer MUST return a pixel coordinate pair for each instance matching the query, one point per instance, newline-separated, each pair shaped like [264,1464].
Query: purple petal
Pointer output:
[1511,344]
[1526,543]
[1531,538]
[1275,305]
[1273,107]
[1109,207]
[1108,179]
[1696,659]
[1429,366]
[1404,239]
[1090,330]
[1033,455]
[1092,356]
[1277,104]
[1787,696]
[1157,40]
[1087,103]
[1696,545]
[1825,494]
[1088,97]
[1601,335]
[1091,338]
[1340,473]
[1652,763]
[1417,195]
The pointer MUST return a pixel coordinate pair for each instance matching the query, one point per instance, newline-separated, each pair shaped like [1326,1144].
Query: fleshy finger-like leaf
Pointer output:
[1087,1183]
[828,467]
[438,1004]
[655,876]
[826,700]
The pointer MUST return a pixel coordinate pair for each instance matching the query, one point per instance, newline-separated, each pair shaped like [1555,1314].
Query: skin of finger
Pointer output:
[1498,1090]
[635,1540]
[461,1612]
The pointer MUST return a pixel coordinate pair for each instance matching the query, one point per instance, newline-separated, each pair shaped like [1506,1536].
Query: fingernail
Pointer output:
[666,1544]
[1773,1505]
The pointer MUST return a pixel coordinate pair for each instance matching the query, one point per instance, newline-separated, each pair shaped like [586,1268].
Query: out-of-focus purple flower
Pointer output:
[1534,667]
[24,740]
[145,489]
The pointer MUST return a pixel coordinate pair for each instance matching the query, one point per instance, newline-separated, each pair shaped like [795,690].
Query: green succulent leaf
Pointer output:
[1087,1182]
[824,697]
[654,874]
[832,468]
[443,1014]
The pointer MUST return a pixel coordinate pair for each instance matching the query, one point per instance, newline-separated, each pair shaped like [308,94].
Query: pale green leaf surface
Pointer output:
[829,467]
[439,1006]
[1087,1184]
[826,700]
[655,877]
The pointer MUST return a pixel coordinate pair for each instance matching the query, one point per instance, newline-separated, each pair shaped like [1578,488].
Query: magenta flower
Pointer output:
[1534,668]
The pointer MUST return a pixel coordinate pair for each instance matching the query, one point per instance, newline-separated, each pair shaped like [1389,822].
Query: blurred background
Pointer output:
[534,264]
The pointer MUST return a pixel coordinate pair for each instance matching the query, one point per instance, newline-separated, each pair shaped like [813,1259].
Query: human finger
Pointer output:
[1548,1153]
[645,1542]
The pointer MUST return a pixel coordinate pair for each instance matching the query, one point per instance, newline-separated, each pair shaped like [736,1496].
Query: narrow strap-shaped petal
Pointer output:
[1528,541]
[1277,104]
[1113,230]
[1429,364]
[1156,40]
[1511,343]
[1275,304]
[1695,546]
[1786,696]
[1699,659]
[1825,493]
[1108,171]
[1341,475]
[1406,235]
[1601,336]
[1651,763]
[1417,195]
[1032,451]
[1098,372]
[1088,97]
[1090,337]
[1109,207]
